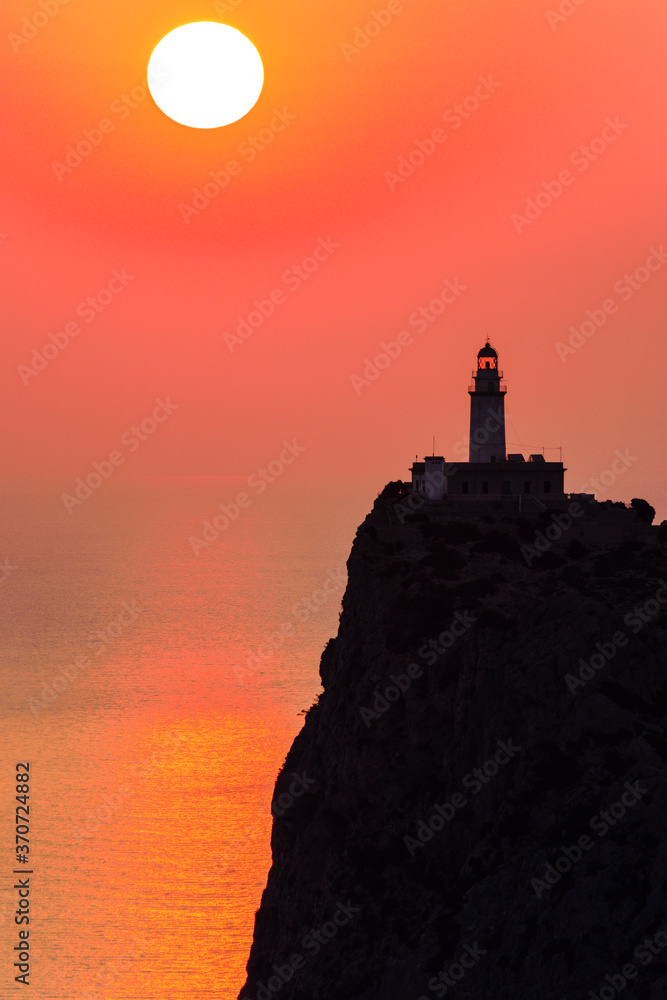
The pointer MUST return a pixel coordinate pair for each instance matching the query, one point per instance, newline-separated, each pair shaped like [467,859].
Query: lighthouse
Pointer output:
[506,481]
[487,409]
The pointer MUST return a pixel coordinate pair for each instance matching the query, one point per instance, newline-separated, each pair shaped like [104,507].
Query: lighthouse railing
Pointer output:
[478,387]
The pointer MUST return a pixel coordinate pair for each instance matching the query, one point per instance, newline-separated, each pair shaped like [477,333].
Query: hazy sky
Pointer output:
[524,101]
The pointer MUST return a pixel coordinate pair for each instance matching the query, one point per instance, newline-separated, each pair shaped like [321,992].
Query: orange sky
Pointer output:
[329,175]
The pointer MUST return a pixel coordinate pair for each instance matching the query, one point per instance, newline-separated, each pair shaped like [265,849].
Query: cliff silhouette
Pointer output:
[476,804]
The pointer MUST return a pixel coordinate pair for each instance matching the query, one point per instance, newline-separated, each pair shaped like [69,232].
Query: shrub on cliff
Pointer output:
[444,560]
[498,541]
[645,512]
[576,549]
[481,587]
[460,532]
[426,614]
[394,490]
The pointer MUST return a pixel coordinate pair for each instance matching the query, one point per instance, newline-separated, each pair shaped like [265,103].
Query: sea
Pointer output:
[151,687]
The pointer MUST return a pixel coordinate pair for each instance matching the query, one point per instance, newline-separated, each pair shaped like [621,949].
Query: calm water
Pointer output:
[152,770]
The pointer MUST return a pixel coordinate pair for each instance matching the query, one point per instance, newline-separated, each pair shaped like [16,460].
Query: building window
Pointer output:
[464,486]
[526,486]
[505,486]
[547,486]
[485,487]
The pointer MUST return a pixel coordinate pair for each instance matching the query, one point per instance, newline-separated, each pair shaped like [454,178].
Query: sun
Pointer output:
[205,74]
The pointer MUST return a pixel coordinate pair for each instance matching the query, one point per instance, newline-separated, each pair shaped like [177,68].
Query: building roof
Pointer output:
[487,352]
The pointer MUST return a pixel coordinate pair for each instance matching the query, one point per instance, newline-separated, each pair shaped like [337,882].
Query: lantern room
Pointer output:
[487,358]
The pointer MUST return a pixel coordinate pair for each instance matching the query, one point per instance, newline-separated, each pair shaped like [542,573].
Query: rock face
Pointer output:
[476,805]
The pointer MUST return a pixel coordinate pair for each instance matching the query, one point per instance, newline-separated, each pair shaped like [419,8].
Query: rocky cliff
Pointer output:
[476,804]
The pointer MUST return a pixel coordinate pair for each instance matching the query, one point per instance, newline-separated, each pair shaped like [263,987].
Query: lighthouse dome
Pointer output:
[487,352]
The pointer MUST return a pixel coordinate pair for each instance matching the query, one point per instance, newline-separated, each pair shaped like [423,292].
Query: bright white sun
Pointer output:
[205,74]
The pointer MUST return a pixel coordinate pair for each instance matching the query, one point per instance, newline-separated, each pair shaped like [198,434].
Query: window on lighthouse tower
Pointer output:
[487,362]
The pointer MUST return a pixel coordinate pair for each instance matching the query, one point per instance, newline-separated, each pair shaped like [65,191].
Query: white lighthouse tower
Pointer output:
[487,409]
